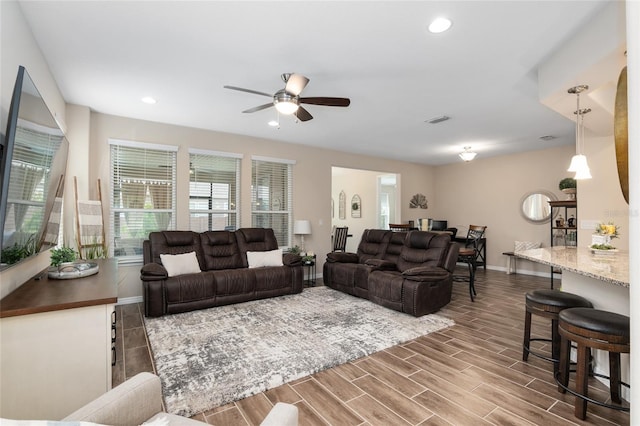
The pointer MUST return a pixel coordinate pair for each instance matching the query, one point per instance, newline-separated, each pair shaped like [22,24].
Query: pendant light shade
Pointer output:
[580,166]
[579,163]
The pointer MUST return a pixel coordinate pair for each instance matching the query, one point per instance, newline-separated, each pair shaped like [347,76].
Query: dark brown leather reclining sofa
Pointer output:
[225,276]
[409,272]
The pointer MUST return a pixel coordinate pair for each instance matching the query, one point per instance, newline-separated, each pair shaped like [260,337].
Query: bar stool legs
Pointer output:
[547,304]
[592,328]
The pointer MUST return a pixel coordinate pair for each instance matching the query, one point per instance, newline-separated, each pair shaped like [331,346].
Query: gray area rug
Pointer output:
[210,357]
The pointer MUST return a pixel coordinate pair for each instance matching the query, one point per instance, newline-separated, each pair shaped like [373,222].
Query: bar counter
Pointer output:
[612,268]
[601,278]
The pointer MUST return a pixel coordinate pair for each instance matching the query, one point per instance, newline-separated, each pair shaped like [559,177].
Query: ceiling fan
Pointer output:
[287,101]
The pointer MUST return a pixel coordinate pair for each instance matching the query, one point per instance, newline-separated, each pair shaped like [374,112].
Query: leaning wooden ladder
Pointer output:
[90,237]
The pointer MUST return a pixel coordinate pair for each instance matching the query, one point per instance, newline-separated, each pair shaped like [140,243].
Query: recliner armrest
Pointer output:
[153,272]
[341,257]
[290,259]
[381,265]
[131,403]
[426,274]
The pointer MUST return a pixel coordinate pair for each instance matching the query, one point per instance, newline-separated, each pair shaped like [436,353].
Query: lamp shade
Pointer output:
[302,227]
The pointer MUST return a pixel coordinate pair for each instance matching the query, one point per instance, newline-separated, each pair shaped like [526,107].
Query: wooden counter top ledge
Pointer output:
[47,295]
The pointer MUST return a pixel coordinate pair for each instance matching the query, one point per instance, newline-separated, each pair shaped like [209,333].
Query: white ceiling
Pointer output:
[482,73]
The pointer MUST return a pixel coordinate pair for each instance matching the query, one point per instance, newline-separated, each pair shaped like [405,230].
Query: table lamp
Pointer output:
[302,228]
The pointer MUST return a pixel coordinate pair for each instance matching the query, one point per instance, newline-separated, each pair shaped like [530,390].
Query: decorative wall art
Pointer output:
[418,200]
[342,206]
[356,207]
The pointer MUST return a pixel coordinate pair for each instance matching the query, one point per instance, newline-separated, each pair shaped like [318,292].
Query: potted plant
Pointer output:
[62,255]
[568,185]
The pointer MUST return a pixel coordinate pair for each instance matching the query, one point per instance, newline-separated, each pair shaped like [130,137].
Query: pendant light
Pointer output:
[579,163]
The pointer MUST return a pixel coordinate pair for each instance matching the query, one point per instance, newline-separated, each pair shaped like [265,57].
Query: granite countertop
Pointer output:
[612,268]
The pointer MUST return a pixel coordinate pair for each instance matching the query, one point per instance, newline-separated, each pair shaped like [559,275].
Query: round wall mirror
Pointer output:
[534,206]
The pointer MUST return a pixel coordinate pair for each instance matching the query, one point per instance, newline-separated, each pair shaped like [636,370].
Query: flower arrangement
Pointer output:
[610,229]
[604,233]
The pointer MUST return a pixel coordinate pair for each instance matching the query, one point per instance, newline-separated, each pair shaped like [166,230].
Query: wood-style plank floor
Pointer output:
[469,374]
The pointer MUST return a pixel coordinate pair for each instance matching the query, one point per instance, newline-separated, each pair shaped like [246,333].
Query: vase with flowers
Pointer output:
[601,238]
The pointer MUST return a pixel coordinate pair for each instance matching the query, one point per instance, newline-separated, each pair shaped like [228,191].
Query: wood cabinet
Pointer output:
[55,344]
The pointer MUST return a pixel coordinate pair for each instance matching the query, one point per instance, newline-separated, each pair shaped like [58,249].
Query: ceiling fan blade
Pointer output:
[259,108]
[303,114]
[255,92]
[338,102]
[296,83]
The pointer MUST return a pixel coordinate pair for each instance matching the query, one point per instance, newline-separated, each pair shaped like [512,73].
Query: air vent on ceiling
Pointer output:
[547,138]
[440,119]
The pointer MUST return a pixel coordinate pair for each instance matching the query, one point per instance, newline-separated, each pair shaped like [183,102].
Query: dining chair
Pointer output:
[469,253]
[340,234]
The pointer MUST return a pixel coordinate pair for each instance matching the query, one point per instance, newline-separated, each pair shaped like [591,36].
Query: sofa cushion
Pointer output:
[373,244]
[255,239]
[423,248]
[259,259]
[174,242]
[220,250]
[180,264]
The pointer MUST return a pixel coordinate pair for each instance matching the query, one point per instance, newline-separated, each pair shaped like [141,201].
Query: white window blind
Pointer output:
[213,191]
[143,195]
[271,198]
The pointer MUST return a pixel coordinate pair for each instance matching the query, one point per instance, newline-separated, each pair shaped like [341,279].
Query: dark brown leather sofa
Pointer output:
[409,272]
[225,278]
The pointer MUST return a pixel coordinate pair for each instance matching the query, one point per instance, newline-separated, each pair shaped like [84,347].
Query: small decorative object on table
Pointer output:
[601,238]
[64,267]
[568,186]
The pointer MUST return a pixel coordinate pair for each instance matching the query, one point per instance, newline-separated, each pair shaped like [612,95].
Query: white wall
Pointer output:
[18,47]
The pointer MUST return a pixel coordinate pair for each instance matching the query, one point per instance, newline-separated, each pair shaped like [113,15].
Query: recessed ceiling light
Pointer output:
[273,123]
[148,100]
[439,25]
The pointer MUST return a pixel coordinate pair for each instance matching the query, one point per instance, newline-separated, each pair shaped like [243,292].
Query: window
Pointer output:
[143,194]
[213,190]
[271,199]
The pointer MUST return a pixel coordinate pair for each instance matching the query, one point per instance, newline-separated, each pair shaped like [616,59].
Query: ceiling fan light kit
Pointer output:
[287,101]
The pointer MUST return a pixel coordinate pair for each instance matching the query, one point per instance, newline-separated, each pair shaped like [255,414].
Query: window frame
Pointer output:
[114,210]
[211,211]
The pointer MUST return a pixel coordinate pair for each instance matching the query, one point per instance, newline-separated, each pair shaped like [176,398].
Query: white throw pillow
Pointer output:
[178,264]
[258,259]
[526,245]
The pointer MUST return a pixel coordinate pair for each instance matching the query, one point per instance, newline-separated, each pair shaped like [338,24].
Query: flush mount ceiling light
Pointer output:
[467,154]
[579,163]
[148,100]
[273,123]
[439,25]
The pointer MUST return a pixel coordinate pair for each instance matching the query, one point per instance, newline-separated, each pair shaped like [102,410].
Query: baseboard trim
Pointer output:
[129,300]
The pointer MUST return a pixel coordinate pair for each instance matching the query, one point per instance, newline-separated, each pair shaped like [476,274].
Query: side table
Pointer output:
[310,266]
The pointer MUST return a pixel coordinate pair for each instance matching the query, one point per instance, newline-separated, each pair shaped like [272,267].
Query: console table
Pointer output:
[56,343]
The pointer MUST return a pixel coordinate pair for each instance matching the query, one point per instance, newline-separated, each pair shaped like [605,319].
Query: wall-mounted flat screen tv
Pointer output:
[32,167]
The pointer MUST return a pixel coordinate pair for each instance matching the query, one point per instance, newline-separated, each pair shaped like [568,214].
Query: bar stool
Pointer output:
[548,304]
[592,328]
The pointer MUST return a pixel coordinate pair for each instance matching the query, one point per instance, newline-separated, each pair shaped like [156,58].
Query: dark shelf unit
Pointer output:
[561,233]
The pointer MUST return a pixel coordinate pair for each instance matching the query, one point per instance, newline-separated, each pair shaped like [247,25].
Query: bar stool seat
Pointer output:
[548,304]
[592,328]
